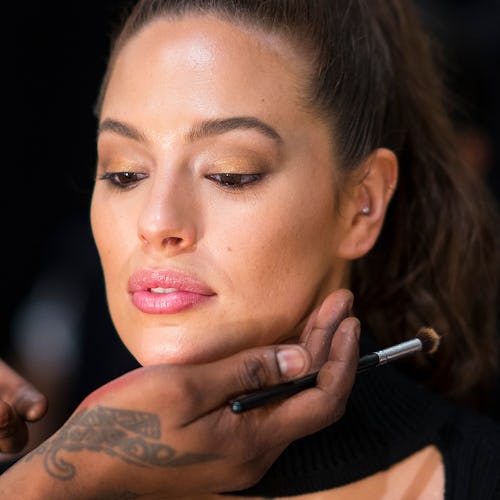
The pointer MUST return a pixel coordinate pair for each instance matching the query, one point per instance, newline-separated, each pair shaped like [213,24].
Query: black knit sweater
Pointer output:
[388,418]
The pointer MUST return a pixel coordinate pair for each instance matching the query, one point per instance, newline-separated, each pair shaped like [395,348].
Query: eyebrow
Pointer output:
[221,126]
[120,128]
[206,128]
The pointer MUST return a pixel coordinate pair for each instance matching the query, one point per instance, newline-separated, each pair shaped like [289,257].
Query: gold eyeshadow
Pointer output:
[235,165]
[119,164]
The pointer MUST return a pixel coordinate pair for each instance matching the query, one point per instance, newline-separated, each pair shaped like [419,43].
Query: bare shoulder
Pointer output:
[418,477]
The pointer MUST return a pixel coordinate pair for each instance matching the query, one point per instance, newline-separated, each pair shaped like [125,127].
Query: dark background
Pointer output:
[58,52]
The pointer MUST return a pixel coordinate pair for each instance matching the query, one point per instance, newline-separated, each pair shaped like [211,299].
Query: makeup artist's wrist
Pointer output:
[31,478]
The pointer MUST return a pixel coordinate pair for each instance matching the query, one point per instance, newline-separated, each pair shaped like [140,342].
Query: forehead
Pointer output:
[205,53]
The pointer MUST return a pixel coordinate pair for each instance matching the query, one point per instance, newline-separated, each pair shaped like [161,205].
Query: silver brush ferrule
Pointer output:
[399,351]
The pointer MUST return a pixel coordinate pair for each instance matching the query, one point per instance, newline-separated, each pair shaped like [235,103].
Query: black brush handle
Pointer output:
[281,391]
[274,393]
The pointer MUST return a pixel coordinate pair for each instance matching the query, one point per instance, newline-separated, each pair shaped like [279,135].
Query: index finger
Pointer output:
[323,323]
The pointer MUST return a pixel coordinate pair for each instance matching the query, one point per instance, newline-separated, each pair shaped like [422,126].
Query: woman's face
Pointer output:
[213,209]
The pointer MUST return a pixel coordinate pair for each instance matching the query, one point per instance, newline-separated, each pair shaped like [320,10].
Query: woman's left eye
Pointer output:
[235,181]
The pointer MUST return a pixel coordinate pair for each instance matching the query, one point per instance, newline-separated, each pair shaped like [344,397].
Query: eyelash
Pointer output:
[127,180]
[228,180]
[122,180]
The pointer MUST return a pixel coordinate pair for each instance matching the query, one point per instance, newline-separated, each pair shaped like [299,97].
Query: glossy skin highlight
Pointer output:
[194,106]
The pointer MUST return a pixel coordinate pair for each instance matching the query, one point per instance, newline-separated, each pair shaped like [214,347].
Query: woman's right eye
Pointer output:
[122,180]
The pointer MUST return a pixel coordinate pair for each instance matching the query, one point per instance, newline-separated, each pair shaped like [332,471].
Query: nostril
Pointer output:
[172,240]
[166,240]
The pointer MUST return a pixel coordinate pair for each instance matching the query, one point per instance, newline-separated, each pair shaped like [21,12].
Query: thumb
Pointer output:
[245,372]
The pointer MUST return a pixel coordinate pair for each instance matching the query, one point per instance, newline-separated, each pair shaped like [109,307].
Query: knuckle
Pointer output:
[256,372]
[253,374]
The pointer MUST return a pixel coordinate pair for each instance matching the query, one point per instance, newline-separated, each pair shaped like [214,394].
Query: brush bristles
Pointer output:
[429,338]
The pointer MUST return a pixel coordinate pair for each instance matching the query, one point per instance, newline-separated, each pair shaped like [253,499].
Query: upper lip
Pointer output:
[145,279]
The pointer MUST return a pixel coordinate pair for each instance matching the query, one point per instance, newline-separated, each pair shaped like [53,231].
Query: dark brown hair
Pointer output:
[375,77]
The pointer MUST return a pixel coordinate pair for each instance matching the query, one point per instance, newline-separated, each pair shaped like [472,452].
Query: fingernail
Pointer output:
[291,361]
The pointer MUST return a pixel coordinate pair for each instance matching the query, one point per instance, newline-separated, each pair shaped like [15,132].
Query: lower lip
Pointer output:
[167,303]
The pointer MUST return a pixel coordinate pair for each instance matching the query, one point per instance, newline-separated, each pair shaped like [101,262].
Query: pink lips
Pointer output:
[166,291]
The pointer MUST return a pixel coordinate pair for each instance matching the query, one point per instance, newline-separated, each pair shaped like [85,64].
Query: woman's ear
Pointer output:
[364,209]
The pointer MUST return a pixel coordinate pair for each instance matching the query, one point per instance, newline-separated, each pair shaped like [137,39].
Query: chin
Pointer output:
[174,354]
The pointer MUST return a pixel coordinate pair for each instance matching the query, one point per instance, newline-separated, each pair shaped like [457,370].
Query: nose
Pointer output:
[167,222]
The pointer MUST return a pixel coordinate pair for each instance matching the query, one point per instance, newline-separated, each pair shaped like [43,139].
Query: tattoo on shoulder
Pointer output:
[132,436]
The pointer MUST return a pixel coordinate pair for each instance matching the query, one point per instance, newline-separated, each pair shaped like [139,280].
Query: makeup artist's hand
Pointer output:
[20,402]
[168,429]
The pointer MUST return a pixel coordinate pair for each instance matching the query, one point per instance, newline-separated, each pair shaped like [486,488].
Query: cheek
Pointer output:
[298,232]
[282,256]
[111,232]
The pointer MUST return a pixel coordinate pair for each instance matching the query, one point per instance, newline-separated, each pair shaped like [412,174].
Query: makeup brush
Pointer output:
[426,341]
